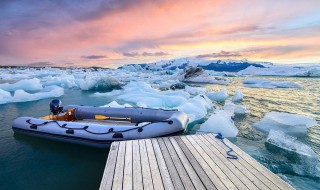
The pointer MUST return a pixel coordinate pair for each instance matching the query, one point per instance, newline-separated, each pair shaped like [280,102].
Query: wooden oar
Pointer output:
[103,117]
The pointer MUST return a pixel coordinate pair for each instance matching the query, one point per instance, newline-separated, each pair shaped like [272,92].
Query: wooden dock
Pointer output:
[184,162]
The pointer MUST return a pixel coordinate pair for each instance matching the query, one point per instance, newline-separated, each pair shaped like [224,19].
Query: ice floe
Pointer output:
[219,96]
[238,96]
[115,104]
[220,122]
[299,71]
[199,75]
[23,96]
[233,109]
[303,160]
[195,90]
[96,82]
[289,123]
[25,84]
[263,83]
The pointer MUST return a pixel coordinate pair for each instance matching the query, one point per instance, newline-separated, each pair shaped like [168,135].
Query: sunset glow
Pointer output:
[112,33]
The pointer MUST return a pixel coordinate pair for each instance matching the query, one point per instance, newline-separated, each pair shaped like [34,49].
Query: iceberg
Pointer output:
[286,122]
[100,83]
[219,96]
[68,81]
[23,96]
[297,71]
[238,96]
[303,160]
[115,104]
[25,84]
[197,107]
[233,109]
[220,122]
[195,90]
[263,83]
[197,74]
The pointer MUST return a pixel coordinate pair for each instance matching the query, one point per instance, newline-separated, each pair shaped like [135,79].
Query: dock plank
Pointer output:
[108,173]
[184,162]
[118,174]
[155,173]
[127,184]
[146,173]
[136,166]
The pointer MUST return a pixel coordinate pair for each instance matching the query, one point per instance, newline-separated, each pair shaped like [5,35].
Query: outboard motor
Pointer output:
[56,107]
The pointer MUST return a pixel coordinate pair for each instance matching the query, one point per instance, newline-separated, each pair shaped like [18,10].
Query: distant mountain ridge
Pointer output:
[216,65]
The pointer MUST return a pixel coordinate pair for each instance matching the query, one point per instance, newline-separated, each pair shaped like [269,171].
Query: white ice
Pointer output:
[233,109]
[25,84]
[196,107]
[23,96]
[96,82]
[219,96]
[263,83]
[238,96]
[289,143]
[195,90]
[300,71]
[289,123]
[220,122]
[115,104]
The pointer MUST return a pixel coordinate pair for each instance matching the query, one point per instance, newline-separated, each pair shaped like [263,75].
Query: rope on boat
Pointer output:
[85,128]
[230,156]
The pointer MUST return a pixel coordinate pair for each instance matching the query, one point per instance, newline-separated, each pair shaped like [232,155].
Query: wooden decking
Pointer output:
[184,162]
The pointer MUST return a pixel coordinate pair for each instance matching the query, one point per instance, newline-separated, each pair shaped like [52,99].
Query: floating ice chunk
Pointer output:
[289,123]
[143,95]
[196,107]
[289,143]
[303,160]
[219,96]
[233,109]
[262,83]
[197,74]
[132,68]
[238,97]
[48,92]
[23,96]
[220,122]
[195,90]
[115,104]
[99,83]
[25,84]
[68,81]
[108,94]
[4,96]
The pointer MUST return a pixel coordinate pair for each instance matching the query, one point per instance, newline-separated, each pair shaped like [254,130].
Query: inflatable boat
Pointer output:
[100,126]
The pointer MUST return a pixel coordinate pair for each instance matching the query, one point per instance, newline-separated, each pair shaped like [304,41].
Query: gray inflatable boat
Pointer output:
[100,126]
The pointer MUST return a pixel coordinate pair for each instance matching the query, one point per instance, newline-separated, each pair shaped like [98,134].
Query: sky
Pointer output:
[110,33]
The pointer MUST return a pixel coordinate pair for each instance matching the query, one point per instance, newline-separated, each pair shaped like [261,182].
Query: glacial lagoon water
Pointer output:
[31,163]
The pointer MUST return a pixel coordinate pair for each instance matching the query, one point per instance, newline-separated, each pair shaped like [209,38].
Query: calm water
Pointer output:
[31,163]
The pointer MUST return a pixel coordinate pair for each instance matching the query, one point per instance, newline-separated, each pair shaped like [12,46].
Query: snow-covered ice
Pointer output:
[263,83]
[219,96]
[96,82]
[220,122]
[289,123]
[196,74]
[238,96]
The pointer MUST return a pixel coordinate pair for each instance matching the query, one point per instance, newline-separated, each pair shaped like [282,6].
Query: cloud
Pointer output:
[145,54]
[40,64]
[93,56]
[221,54]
